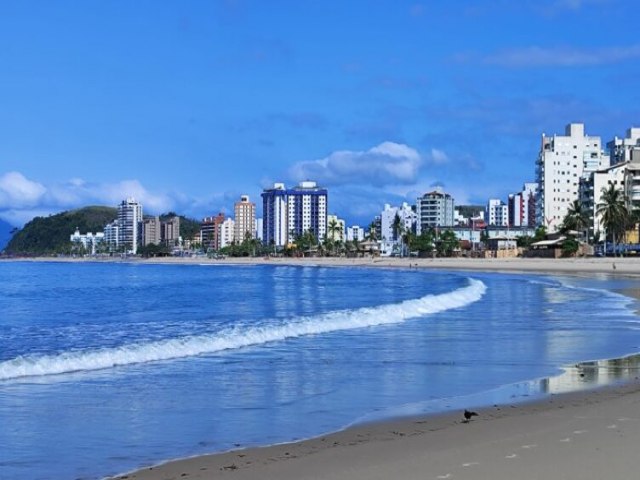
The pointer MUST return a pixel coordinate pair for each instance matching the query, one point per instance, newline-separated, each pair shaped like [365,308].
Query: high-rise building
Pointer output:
[274,216]
[307,210]
[112,235]
[522,206]
[227,232]
[620,148]
[151,231]
[355,232]
[210,231]
[434,209]
[258,229]
[170,231]
[335,228]
[130,225]
[591,193]
[562,161]
[288,213]
[245,218]
[497,213]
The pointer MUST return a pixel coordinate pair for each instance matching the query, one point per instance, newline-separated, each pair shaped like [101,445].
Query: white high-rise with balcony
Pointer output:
[130,225]
[562,161]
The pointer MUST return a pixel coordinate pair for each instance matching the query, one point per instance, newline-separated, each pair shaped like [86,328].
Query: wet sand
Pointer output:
[588,435]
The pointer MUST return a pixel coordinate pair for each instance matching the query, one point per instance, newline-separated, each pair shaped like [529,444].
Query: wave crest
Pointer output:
[238,337]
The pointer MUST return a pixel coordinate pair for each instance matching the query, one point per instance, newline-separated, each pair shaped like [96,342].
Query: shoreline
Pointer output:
[431,444]
[628,266]
[427,445]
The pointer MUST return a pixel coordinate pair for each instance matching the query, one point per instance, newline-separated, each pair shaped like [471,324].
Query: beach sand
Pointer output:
[588,435]
[589,265]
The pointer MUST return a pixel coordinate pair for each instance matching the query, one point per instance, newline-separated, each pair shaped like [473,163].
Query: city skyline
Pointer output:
[187,107]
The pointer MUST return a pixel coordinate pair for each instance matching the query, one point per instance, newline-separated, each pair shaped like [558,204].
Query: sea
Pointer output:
[109,367]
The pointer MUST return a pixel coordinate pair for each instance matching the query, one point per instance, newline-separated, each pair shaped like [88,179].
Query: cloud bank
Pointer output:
[21,199]
[389,163]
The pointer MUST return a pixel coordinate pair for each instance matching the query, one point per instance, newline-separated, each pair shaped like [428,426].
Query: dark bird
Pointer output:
[468,415]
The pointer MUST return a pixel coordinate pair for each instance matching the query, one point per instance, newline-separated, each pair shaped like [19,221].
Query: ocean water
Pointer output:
[108,367]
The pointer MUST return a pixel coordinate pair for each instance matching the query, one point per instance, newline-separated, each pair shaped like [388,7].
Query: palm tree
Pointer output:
[613,213]
[575,219]
[333,228]
[373,236]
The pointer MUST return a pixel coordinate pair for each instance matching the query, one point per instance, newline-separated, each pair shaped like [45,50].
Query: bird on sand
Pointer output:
[468,414]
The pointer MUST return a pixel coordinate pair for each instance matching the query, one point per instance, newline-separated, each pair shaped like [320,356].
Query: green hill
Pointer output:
[49,235]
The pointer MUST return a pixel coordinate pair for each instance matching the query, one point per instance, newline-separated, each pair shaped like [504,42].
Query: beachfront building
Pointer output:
[258,229]
[632,180]
[307,210]
[227,232]
[497,213]
[245,218]
[522,206]
[288,213]
[336,228]
[591,194]
[112,235]
[434,209]
[274,216]
[355,232]
[210,231]
[130,225]
[394,223]
[562,161]
[151,231]
[620,149]
[88,241]
[170,231]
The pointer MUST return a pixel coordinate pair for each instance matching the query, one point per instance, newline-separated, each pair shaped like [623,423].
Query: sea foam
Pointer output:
[239,336]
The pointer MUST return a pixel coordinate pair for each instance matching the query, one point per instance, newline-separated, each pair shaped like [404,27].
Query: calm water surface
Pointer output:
[108,367]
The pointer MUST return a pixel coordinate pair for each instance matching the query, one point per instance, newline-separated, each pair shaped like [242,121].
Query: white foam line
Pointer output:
[238,337]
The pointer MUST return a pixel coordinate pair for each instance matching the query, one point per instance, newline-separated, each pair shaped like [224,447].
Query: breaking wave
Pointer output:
[238,337]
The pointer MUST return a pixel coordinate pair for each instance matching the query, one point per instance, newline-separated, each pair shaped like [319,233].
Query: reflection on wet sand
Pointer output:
[593,374]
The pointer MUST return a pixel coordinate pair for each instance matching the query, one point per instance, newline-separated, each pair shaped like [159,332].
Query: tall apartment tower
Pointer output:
[274,216]
[130,225]
[434,209]
[562,161]
[522,206]
[170,231]
[245,218]
[307,210]
[151,231]
[620,148]
[210,231]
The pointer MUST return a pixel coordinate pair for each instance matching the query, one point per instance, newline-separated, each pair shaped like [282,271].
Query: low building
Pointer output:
[88,241]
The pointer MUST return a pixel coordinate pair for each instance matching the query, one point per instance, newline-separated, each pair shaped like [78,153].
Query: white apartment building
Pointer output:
[562,161]
[405,213]
[340,234]
[307,210]
[227,232]
[497,213]
[591,193]
[434,209]
[522,206]
[355,232]
[130,225]
[620,149]
[89,241]
[258,229]
[274,216]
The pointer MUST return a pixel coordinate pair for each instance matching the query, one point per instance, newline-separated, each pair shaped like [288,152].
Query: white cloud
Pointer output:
[19,192]
[21,199]
[386,164]
[438,157]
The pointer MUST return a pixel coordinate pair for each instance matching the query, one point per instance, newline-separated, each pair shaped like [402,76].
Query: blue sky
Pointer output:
[186,105]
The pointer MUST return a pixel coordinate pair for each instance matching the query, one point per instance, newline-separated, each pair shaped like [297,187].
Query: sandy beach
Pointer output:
[591,434]
[590,265]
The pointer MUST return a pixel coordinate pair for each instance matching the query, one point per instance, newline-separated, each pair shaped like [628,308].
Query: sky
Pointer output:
[186,105]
